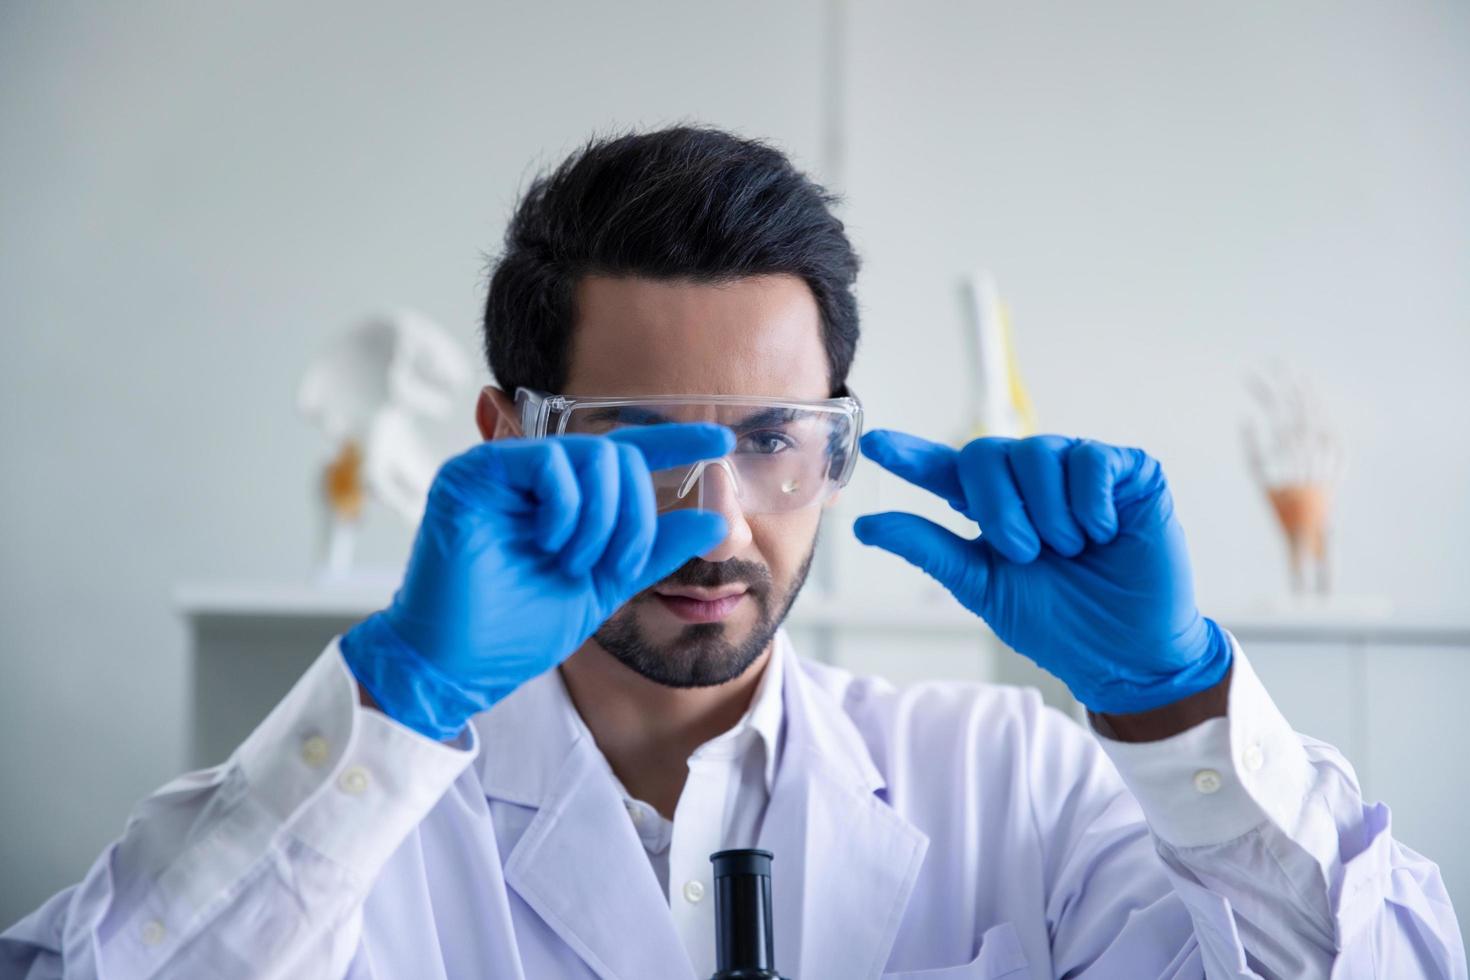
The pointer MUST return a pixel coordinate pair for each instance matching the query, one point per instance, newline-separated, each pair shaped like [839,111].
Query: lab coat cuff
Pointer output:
[1224,777]
[344,779]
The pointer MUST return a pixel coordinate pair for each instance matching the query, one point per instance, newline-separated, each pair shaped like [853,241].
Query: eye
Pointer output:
[766,442]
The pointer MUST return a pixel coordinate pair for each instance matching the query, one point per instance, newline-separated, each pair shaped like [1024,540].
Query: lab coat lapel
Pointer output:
[579,864]
[844,861]
[582,868]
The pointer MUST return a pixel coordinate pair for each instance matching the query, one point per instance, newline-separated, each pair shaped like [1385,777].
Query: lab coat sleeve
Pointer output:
[258,867]
[1283,868]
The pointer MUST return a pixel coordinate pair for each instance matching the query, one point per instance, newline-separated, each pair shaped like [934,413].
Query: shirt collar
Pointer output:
[526,738]
[762,717]
[765,712]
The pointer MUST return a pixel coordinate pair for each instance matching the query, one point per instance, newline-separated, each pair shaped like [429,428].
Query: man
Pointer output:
[520,768]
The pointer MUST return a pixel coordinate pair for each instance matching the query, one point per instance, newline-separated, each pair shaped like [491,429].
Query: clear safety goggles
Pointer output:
[788,454]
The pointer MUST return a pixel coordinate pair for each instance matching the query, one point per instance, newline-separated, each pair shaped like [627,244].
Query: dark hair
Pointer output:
[680,203]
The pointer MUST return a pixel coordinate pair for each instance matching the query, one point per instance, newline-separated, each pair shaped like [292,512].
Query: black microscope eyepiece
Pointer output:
[744,946]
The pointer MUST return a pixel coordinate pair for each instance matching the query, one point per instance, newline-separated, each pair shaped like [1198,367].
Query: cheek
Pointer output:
[784,541]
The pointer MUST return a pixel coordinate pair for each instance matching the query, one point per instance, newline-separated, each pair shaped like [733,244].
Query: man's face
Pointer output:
[758,337]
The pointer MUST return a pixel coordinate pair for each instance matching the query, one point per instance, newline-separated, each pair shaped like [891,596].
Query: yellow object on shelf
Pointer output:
[342,482]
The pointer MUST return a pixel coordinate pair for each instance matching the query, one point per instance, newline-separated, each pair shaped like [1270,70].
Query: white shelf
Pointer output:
[300,600]
[364,595]
[941,616]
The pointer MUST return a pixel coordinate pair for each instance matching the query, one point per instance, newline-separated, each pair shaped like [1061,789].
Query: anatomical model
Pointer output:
[1298,460]
[368,392]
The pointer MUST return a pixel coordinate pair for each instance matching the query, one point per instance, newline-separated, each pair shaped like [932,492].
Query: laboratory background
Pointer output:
[1236,235]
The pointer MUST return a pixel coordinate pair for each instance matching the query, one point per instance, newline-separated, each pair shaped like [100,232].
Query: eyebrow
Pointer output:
[638,415]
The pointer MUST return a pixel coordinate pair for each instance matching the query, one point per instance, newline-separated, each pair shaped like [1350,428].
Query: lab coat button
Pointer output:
[353,781]
[1253,758]
[152,932]
[314,751]
[693,891]
[1207,781]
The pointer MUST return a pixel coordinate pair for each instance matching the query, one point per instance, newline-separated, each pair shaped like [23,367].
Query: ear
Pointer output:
[496,415]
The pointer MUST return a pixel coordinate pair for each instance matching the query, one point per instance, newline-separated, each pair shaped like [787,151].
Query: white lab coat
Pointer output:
[939,832]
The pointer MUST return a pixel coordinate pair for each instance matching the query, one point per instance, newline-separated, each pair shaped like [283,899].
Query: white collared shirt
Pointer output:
[721,806]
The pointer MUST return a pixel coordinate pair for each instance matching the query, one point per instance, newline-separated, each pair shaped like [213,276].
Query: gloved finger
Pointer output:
[628,549]
[533,477]
[671,444]
[930,465]
[680,535]
[596,463]
[1094,471]
[961,566]
[1037,463]
[994,501]
[541,470]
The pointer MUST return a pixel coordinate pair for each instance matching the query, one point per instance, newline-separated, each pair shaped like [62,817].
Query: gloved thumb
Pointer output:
[681,535]
[959,565]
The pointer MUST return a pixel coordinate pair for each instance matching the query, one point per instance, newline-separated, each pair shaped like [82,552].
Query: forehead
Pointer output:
[756,336]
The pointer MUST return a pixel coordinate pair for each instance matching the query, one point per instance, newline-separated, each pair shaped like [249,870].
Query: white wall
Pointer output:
[1170,195]
[193,199]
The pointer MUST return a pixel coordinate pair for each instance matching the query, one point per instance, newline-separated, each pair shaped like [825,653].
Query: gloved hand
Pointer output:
[1080,564]
[526,547]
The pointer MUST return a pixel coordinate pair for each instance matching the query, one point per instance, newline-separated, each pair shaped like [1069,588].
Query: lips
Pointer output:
[703,595]
[698,610]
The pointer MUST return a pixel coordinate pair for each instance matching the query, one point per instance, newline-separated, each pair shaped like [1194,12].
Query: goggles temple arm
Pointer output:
[533,412]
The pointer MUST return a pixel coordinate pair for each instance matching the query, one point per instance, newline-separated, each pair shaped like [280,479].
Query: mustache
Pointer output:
[698,573]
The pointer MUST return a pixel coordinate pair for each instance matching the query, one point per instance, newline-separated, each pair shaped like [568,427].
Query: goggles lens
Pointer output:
[787,455]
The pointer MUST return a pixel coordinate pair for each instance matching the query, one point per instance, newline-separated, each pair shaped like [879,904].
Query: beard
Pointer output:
[702,654]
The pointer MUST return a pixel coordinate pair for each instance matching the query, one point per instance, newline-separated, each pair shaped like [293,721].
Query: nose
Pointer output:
[718,493]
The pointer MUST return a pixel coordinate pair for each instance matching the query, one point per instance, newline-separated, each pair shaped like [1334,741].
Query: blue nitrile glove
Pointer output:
[526,547]
[1080,565]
